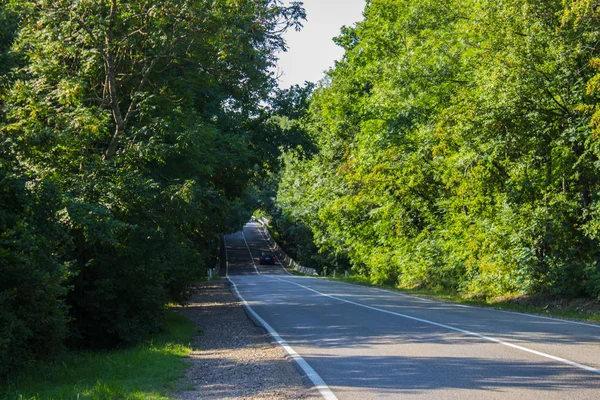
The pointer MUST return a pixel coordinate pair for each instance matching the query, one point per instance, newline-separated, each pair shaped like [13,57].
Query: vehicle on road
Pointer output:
[266,259]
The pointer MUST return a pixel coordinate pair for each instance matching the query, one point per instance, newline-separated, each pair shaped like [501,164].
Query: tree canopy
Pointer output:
[129,145]
[458,149]
[455,146]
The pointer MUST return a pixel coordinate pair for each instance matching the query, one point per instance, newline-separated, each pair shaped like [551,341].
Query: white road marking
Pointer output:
[308,370]
[248,247]
[449,304]
[388,291]
[542,317]
[488,338]
[404,295]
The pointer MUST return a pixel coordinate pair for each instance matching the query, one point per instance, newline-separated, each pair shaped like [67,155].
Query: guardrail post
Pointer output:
[209,273]
[345,273]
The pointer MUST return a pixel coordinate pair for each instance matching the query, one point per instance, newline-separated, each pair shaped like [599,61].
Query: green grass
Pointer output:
[567,312]
[148,371]
[294,272]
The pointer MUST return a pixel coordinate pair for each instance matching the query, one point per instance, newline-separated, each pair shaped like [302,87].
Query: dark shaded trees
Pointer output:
[138,115]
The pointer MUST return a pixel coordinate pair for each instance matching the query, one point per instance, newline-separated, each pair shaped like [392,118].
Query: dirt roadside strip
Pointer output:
[233,358]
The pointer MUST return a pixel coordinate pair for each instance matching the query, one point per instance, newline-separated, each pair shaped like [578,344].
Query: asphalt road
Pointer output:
[367,343]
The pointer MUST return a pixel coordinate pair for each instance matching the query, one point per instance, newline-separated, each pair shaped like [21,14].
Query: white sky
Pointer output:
[311,51]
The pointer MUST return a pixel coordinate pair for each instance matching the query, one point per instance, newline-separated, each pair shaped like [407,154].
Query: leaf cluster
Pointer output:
[130,143]
[456,148]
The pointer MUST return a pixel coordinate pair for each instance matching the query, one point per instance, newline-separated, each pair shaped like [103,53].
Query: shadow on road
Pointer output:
[413,374]
[343,345]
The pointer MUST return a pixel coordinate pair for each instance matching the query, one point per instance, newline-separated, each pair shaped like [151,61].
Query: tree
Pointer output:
[452,150]
[138,111]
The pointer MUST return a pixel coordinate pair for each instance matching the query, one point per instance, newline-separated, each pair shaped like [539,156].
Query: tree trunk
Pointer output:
[110,71]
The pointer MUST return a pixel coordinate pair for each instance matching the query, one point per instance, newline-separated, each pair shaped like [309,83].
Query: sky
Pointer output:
[312,51]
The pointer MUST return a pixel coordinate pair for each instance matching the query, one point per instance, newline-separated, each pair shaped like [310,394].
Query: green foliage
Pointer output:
[32,314]
[8,28]
[291,143]
[147,371]
[131,137]
[455,148]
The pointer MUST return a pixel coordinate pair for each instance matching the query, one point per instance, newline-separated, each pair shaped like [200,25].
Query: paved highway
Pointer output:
[364,343]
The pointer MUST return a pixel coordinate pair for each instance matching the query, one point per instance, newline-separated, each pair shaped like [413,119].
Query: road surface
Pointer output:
[364,343]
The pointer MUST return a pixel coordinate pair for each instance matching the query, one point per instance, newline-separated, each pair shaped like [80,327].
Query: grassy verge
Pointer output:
[575,309]
[294,272]
[147,371]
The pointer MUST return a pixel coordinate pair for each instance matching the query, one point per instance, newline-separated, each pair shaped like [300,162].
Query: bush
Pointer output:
[124,275]
[593,283]
[32,311]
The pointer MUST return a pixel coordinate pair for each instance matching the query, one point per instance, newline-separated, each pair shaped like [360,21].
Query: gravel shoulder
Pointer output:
[233,358]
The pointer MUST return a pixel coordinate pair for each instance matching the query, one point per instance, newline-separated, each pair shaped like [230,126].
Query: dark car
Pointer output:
[266,258]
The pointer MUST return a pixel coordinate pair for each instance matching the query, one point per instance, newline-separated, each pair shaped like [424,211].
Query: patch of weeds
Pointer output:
[294,272]
[149,371]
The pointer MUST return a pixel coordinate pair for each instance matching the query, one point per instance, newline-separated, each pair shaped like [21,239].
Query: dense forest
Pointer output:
[456,148]
[132,134]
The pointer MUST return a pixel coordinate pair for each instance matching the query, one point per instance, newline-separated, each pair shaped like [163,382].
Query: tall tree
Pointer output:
[138,111]
[453,152]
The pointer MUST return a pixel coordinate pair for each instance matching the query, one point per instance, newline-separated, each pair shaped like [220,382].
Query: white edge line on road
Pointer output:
[488,338]
[308,370]
[567,321]
[248,247]
[541,317]
[273,251]
[450,304]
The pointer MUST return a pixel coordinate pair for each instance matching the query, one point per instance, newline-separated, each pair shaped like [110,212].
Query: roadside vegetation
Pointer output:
[455,150]
[149,370]
[132,136]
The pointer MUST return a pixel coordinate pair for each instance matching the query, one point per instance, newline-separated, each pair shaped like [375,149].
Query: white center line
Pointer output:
[248,247]
[564,321]
[488,338]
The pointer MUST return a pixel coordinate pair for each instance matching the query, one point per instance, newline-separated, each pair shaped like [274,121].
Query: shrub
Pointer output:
[32,311]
